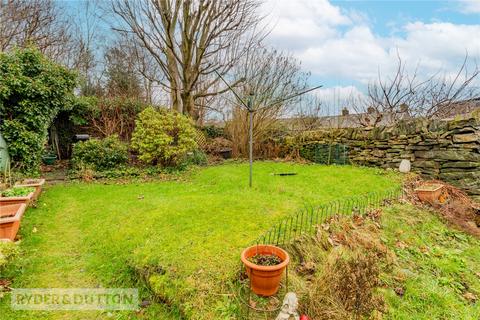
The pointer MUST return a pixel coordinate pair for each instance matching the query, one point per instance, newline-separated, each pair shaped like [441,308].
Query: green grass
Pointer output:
[189,231]
[436,266]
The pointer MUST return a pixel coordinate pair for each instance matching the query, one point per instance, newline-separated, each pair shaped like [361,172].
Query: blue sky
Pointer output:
[345,44]
[386,14]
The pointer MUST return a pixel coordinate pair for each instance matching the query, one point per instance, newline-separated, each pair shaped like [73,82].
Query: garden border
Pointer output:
[305,220]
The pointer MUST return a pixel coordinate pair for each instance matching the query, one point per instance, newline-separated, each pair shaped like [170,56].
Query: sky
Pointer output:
[347,44]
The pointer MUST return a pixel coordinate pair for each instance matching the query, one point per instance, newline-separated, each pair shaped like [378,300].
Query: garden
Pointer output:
[183,235]
[102,186]
[180,239]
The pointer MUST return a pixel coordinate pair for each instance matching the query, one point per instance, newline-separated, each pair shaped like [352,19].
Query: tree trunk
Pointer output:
[189,105]
[176,100]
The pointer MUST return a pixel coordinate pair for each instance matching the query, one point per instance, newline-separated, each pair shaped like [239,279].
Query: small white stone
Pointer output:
[405,166]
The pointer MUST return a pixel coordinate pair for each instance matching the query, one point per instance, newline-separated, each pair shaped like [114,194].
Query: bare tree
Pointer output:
[272,76]
[144,66]
[390,99]
[315,112]
[121,77]
[190,41]
[88,46]
[311,113]
[34,22]
[444,95]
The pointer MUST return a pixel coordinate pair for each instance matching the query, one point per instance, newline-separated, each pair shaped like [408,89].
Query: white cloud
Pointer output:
[439,45]
[337,94]
[356,54]
[470,6]
[320,11]
[296,24]
[335,44]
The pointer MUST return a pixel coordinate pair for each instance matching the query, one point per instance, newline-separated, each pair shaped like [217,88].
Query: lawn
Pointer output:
[437,267]
[184,236]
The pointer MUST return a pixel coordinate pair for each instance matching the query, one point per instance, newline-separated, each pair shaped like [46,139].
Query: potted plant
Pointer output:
[49,156]
[10,216]
[429,192]
[16,195]
[265,265]
[33,183]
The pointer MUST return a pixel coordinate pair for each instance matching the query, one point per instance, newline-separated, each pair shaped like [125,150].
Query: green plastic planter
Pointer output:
[49,159]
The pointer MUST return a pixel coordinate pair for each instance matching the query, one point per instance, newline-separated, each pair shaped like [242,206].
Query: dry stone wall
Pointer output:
[446,150]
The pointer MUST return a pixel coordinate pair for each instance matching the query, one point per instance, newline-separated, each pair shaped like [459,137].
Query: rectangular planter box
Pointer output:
[35,183]
[429,193]
[10,217]
[5,201]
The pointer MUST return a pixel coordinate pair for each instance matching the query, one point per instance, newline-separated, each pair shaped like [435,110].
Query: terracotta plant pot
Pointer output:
[429,192]
[5,201]
[265,280]
[10,216]
[35,183]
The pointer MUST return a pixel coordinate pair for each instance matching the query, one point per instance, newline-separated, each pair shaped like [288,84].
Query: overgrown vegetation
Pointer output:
[195,157]
[33,90]
[113,116]
[213,132]
[179,241]
[337,271]
[125,174]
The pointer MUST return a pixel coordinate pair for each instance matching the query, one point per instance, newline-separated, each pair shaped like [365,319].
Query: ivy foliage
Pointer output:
[33,90]
[163,137]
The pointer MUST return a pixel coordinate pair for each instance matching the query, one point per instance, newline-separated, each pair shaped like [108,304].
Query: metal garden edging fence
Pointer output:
[306,219]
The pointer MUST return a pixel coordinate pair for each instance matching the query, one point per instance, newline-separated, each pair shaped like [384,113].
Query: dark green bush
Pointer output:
[33,90]
[213,131]
[100,154]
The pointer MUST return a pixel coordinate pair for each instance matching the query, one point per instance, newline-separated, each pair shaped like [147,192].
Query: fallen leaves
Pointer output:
[400,245]
[470,297]
[399,291]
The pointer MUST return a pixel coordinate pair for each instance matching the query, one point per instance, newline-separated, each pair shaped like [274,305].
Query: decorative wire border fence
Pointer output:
[307,218]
